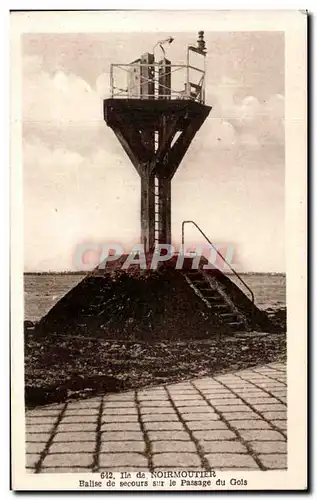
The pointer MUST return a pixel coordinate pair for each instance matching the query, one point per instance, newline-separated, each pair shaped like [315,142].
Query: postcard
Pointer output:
[158,250]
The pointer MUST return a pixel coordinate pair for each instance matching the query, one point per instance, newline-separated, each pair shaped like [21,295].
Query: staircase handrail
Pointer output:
[220,255]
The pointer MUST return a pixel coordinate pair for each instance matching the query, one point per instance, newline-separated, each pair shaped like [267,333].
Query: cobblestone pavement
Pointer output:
[233,421]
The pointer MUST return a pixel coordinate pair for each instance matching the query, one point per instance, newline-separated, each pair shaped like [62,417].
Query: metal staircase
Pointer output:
[233,306]
[216,299]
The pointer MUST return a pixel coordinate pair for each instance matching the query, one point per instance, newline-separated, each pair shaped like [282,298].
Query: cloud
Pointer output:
[63,109]
[70,198]
[256,123]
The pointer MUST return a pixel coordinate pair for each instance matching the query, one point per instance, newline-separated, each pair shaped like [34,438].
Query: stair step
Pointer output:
[213,298]
[210,291]
[229,315]
[237,325]
[198,281]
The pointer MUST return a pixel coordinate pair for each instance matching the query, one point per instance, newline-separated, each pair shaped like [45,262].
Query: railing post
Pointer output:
[111,79]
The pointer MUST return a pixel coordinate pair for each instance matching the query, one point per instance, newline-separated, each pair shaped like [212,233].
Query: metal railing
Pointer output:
[220,255]
[185,75]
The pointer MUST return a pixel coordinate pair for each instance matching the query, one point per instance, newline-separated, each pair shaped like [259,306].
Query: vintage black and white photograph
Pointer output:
[155,255]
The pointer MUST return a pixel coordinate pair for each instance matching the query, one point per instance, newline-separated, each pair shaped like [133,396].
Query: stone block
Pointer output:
[176,460]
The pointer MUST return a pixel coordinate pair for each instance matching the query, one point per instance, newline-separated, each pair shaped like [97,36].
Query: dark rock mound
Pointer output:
[132,304]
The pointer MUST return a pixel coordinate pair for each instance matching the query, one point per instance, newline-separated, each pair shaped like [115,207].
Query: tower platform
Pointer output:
[148,113]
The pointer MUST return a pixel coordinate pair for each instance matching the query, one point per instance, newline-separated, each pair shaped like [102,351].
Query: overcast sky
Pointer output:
[79,185]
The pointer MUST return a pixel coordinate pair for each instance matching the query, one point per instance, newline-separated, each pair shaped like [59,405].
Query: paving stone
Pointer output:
[183,397]
[238,385]
[279,391]
[270,407]
[77,427]
[226,378]
[217,393]
[127,468]
[192,404]
[281,424]
[120,426]
[60,470]
[238,469]
[119,404]
[119,418]
[79,418]
[39,428]
[271,383]
[173,446]
[151,403]
[183,383]
[50,408]
[81,411]
[120,411]
[269,446]
[208,382]
[188,469]
[275,415]
[250,390]
[261,435]
[200,425]
[153,397]
[186,392]
[160,417]
[122,459]
[150,409]
[46,420]
[84,404]
[274,461]
[283,400]
[122,436]
[280,397]
[122,446]
[180,385]
[152,391]
[73,447]
[243,415]
[34,447]
[223,447]
[43,413]
[195,409]
[234,408]
[250,424]
[226,402]
[163,426]
[120,397]
[68,460]
[32,459]
[175,459]
[216,460]
[260,401]
[74,436]
[168,435]
[199,416]
[257,395]
[214,435]
[37,438]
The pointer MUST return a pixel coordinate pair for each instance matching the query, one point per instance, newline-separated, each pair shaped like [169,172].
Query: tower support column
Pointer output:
[164,190]
[147,211]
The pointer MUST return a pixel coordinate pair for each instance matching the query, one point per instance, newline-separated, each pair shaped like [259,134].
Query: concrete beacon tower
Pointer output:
[155,110]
